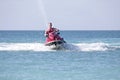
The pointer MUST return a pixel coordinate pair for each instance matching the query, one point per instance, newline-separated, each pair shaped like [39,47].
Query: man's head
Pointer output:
[50,25]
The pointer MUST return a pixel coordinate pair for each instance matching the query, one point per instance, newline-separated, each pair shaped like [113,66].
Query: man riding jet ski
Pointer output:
[53,38]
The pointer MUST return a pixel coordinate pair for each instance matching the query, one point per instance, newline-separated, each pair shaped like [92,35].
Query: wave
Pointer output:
[71,47]
[23,47]
[88,47]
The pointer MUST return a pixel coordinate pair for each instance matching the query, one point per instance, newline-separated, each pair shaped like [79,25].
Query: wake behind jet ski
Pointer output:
[53,39]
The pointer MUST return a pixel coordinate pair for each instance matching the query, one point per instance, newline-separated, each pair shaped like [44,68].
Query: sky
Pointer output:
[64,14]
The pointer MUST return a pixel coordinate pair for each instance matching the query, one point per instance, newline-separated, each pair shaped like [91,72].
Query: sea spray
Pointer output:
[42,11]
[69,47]
[23,47]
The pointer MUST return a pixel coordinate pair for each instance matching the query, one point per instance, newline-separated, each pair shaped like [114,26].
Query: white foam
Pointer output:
[88,46]
[93,46]
[23,47]
[70,47]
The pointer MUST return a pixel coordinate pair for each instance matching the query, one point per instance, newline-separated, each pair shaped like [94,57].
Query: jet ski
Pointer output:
[54,41]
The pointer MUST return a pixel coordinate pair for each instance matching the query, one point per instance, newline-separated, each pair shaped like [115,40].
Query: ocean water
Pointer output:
[87,55]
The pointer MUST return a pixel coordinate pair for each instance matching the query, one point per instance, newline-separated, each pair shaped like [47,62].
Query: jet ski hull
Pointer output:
[57,44]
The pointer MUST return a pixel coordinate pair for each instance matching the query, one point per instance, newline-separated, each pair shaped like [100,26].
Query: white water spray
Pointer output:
[69,47]
[42,11]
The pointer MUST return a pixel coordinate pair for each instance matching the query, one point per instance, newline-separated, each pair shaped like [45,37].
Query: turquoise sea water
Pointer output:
[88,55]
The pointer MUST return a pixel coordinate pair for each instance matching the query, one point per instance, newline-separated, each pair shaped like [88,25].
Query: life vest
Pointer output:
[50,30]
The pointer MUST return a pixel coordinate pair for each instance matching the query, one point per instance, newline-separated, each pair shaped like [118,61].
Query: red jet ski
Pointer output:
[54,41]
